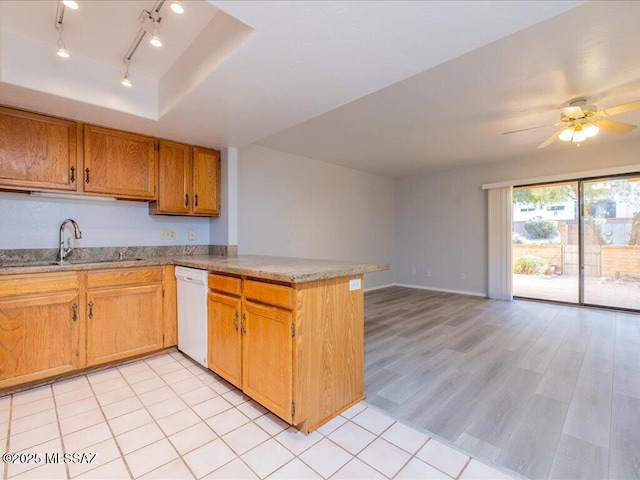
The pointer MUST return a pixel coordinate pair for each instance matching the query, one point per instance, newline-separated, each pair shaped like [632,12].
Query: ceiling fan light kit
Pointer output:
[581,121]
[579,133]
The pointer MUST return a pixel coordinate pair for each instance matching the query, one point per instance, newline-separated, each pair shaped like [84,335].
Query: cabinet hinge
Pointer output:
[293,330]
[163,293]
[293,409]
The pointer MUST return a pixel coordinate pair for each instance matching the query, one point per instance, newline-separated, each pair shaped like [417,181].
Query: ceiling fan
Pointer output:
[581,121]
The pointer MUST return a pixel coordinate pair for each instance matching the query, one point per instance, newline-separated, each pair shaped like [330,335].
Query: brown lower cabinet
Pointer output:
[124,313]
[56,323]
[297,349]
[39,326]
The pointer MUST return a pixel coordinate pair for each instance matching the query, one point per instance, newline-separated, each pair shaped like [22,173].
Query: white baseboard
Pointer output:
[447,290]
[371,289]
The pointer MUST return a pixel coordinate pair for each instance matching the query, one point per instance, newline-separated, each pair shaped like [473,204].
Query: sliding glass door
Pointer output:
[610,242]
[545,250]
[578,242]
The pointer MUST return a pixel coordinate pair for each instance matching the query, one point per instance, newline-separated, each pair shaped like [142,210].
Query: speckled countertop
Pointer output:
[285,269]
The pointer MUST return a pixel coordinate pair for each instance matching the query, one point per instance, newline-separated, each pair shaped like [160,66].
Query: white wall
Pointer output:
[440,218]
[298,207]
[29,222]
[224,229]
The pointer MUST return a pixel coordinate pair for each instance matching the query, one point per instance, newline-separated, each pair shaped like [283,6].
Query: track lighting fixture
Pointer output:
[126,81]
[177,7]
[71,4]
[156,41]
[62,49]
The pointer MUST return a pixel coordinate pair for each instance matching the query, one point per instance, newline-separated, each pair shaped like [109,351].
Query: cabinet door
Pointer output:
[38,337]
[118,163]
[206,182]
[267,357]
[225,357]
[174,178]
[36,151]
[123,321]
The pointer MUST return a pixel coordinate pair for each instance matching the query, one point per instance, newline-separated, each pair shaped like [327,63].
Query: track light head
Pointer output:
[126,80]
[156,41]
[177,7]
[71,4]
[62,50]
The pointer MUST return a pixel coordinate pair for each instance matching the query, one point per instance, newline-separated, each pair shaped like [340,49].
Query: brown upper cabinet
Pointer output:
[37,152]
[119,163]
[188,180]
[44,153]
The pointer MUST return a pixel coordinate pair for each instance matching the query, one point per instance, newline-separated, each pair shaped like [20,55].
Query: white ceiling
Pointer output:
[390,87]
[104,30]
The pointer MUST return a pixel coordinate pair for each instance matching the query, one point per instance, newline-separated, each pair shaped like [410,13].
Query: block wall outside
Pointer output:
[625,260]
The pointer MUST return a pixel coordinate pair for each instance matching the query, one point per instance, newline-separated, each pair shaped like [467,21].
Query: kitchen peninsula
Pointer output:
[288,332]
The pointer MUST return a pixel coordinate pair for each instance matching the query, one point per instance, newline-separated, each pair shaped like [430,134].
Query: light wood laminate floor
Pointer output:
[547,391]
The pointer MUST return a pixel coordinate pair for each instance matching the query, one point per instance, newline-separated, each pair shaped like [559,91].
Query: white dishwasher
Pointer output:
[192,313]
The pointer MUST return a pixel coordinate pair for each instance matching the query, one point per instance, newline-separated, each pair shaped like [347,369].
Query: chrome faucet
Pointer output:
[63,252]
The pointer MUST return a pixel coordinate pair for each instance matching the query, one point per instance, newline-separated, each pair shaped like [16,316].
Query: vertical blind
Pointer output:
[499,242]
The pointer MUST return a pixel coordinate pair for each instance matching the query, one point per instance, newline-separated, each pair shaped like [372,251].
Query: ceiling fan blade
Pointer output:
[551,139]
[533,128]
[627,107]
[614,126]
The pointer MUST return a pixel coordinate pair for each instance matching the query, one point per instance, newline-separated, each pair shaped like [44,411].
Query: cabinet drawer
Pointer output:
[19,285]
[276,295]
[124,276]
[222,283]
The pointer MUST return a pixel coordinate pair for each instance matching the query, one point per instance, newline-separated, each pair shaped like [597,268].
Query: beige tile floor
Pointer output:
[167,418]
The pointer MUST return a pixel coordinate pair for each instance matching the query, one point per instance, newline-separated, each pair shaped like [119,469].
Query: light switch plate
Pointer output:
[355,284]
[192,235]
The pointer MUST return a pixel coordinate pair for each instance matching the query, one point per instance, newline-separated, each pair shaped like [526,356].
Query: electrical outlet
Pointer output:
[192,235]
[428,273]
[355,284]
[413,271]
[463,276]
[167,234]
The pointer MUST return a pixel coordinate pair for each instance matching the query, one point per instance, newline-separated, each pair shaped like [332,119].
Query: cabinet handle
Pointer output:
[86,178]
[235,321]
[75,312]
[91,309]
[186,199]
[196,200]
[73,174]
[244,319]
